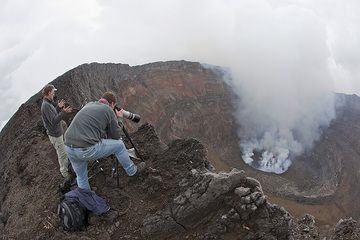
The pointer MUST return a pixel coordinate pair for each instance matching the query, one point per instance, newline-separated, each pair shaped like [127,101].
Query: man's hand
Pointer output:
[119,113]
[61,103]
[67,109]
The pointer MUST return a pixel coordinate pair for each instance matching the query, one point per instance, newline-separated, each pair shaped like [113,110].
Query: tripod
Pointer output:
[115,169]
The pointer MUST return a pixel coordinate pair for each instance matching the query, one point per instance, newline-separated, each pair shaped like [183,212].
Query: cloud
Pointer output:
[37,43]
[286,56]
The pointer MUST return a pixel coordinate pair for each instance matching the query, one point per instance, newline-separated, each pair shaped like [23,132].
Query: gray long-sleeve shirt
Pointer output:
[51,116]
[92,123]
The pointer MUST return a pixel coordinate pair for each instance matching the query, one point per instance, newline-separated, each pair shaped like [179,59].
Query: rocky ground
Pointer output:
[183,194]
[179,196]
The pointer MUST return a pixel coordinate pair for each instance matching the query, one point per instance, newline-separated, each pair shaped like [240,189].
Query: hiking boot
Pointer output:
[140,168]
[111,215]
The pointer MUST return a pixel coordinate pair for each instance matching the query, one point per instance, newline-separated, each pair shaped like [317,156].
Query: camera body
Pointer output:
[129,115]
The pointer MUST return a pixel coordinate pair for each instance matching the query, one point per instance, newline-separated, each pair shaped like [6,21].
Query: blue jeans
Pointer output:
[79,158]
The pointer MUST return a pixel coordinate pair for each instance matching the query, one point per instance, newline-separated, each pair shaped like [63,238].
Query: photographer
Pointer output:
[95,132]
[51,114]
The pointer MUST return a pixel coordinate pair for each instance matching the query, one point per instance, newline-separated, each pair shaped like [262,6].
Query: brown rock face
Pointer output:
[181,99]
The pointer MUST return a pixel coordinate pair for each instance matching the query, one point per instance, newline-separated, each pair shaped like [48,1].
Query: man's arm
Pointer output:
[51,115]
[115,127]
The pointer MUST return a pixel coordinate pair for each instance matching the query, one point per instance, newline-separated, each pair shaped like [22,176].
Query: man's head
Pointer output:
[110,97]
[49,91]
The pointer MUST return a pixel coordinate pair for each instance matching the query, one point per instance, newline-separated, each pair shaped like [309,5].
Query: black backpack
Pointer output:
[72,216]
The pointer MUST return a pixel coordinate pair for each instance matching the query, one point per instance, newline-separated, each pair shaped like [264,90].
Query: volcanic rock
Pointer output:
[196,185]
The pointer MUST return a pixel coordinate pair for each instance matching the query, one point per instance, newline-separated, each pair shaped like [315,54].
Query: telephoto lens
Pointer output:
[132,116]
[129,115]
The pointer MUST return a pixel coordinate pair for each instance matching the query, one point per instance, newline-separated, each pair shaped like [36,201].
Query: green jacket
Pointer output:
[92,123]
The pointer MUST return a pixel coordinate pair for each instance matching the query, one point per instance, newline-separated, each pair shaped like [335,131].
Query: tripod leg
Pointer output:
[117,173]
[93,165]
[96,173]
[128,137]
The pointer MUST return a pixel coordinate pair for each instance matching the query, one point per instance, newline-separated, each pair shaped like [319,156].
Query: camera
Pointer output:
[129,115]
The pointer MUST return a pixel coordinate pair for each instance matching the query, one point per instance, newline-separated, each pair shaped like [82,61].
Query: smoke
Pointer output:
[282,67]
[286,56]
[283,75]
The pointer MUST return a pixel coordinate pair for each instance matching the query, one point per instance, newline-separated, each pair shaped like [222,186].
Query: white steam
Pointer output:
[282,69]
[285,85]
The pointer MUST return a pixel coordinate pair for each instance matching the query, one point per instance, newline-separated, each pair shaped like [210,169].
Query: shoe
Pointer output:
[140,168]
[111,215]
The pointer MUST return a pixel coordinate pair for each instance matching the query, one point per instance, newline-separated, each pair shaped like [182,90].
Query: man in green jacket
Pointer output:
[95,132]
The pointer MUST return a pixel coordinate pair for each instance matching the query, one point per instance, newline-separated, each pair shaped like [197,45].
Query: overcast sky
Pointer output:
[305,48]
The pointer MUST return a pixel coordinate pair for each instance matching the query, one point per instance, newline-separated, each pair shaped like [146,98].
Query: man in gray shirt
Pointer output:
[95,132]
[52,114]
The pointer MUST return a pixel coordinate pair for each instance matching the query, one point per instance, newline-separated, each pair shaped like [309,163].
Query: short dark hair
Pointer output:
[110,97]
[48,88]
